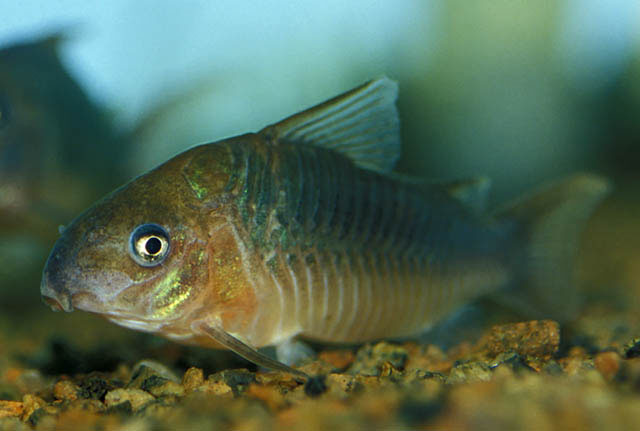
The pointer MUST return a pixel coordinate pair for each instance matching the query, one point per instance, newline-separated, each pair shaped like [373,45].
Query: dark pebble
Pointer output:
[95,387]
[515,361]
[315,386]
[237,380]
[152,382]
[633,351]
[36,416]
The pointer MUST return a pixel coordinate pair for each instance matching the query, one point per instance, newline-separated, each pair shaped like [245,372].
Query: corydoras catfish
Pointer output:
[302,230]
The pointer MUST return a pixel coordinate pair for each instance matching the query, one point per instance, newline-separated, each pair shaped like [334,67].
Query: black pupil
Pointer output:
[149,244]
[153,245]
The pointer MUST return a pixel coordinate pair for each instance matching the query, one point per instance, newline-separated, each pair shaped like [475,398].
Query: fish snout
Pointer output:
[53,285]
[57,299]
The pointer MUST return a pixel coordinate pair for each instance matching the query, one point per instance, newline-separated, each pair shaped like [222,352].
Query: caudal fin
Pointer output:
[549,223]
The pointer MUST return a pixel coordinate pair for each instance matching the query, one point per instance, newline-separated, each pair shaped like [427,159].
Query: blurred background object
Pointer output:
[523,92]
[58,152]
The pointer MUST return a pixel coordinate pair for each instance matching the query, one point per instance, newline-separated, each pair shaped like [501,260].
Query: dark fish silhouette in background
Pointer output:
[58,151]
[51,132]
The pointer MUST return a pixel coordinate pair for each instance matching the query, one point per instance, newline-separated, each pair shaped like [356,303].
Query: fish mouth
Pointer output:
[58,305]
[61,298]
[58,300]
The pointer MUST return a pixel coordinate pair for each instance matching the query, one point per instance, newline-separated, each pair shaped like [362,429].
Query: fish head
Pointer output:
[140,256]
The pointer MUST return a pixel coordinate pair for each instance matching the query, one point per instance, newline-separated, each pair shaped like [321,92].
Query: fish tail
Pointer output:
[548,224]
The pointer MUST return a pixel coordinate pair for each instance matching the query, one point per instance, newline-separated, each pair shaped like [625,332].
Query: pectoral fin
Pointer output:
[244,350]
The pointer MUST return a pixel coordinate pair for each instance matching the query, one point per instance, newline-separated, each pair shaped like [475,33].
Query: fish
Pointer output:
[303,230]
[47,121]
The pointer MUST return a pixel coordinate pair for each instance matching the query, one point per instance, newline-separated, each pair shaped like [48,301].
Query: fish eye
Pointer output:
[149,244]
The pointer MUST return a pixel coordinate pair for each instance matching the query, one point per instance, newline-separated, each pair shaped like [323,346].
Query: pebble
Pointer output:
[370,359]
[192,379]
[499,382]
[632,349]
[66,390]
[237,380]
[11,409]
[217,388]
[155,367]
[144,375]
[428,357]
[167,388]
[608,363]
[96,386]
[342,384]
[315,386]
[137,398]
[340,359]
[537,338]
[268,395]
[31,403]
[469,372]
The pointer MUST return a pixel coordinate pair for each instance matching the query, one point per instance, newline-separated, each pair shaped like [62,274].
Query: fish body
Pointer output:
[338,253]
[302,230]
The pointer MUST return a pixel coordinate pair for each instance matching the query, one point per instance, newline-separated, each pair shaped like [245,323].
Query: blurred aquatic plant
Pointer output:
[500,95]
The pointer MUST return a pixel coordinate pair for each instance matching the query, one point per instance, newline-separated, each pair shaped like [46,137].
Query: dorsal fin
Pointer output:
[362,124]
[473,192]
